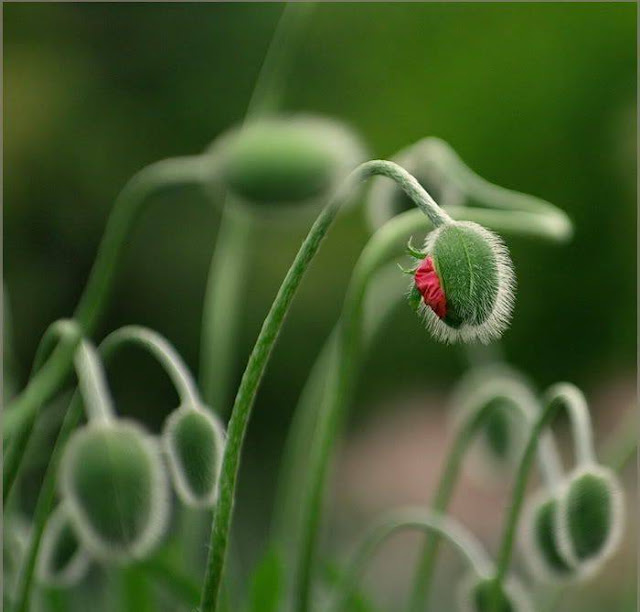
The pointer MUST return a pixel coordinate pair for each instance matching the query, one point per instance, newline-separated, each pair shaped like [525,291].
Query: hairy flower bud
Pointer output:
[540,537]
[115,489]
[464,284]
[590,517]
[285,160]
[193,440]
[62,561]
[476,594]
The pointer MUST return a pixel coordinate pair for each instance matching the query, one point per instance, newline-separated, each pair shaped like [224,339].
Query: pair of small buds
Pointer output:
[477,594]
[283,161]
[462,283]
[573,529]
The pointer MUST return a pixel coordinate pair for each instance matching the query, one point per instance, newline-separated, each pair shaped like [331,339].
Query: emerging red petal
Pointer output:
[428,284]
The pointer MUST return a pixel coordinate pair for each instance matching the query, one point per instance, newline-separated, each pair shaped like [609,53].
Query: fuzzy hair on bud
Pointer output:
[467,284]
[115,490]
[540,540]
[285,160]
[590,517]
[475,594]
[193,441]
[62,561]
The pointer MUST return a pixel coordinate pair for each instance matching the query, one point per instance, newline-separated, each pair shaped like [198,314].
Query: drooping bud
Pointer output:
[115,489]
[62,560]
[193,440]
[476,594]
[590,517]
[540,537]
[466,283]
[285,160]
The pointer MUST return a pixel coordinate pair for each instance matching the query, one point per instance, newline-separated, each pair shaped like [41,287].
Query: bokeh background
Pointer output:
[538,97]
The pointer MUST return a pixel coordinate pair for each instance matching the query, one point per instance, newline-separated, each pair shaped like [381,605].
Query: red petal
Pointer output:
[428,284]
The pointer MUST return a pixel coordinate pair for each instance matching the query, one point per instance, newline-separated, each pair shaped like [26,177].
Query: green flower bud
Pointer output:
[285,160]
[194,440]
[590,517]
[540,538]
[62,560]
[115,489]
[476,595]
[467,283]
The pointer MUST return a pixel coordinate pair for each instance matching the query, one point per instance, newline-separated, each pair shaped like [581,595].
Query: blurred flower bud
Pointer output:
[285,160]
[62,560]
[540,538]
[115,489]
[463,286]
[590,517]
[16,533]
[476,594]
[194,440]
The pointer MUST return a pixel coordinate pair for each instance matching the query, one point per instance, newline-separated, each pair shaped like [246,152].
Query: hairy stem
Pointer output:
[262,350]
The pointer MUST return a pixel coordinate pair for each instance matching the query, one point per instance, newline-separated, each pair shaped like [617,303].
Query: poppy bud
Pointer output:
[466,283]
[540,538]
[115,489]
[285,160]
[193,440]
[62,561]
[476,594]
[590,517]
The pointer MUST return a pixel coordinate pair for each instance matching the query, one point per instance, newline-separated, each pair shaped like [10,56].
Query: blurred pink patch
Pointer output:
[428,284]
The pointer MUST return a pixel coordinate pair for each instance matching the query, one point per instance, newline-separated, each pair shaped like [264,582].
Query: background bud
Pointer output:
[285,160]
[590,517]
[115,489]
[193,440]
[62,560]
[476,595]
[474,271]
[540,538]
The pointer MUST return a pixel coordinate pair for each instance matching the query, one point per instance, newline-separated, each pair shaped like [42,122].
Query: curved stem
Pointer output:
[22,421]
[92,384]
[223,306]
[165,353]
[553,400]
[262,350]
[412,518]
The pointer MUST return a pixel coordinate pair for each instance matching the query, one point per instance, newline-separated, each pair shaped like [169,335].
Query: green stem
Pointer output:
[552,405]
[470,548]
[69,333]
[262,350]
[223,303]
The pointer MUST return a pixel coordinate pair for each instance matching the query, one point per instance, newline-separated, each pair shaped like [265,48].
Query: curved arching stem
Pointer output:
[114,342]
[410,519]
[259,357]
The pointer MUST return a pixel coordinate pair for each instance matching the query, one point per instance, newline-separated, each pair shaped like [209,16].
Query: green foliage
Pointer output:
[267,582]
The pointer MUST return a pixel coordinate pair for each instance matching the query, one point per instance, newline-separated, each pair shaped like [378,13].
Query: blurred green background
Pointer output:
[537,97]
